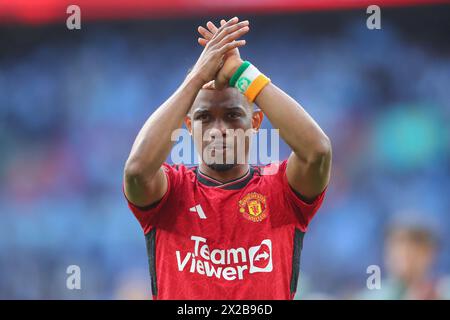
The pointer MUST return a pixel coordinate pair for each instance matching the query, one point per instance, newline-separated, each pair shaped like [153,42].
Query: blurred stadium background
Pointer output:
[71,103]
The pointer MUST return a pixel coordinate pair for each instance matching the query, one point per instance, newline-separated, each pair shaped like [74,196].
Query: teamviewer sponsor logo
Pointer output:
[229,264]
[261,257]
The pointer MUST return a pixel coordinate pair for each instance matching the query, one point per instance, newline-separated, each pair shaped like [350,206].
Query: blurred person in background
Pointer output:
[410,252]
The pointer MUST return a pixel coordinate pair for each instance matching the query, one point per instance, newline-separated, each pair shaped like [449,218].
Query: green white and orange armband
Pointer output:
[249,80]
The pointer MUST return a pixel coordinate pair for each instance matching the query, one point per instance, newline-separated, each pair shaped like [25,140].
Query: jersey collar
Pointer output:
[234,184]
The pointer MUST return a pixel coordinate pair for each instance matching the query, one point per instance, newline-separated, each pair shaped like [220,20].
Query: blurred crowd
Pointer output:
[71,103]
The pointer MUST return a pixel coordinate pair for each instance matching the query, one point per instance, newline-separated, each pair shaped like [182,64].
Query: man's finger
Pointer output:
[229,23]
[232,36]
[212,27]
[208,34]
[232,45]
[205,33]
[227,30]
[202,42]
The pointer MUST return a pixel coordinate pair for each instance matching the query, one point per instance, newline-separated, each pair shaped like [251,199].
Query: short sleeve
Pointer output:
[304,211]
[149,216]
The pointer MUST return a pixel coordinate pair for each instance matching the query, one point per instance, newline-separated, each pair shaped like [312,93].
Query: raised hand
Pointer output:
[232,59]
[224,40]
[208,33]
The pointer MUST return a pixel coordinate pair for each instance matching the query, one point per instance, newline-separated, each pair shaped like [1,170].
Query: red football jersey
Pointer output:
[236,240]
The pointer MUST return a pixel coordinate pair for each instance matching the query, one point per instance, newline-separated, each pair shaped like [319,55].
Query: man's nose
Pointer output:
[221,126]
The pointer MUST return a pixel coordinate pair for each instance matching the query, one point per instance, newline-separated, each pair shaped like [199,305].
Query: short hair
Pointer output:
[416,234]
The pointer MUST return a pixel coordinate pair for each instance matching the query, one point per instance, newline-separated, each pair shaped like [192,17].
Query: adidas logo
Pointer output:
[199,210]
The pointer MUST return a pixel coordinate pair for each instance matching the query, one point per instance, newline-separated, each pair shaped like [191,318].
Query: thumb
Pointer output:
[209,85]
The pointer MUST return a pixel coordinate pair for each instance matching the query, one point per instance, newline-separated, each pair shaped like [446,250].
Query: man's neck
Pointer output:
[225,176]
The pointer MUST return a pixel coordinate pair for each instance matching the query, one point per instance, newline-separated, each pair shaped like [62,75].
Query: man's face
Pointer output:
[221,123]
[407,258]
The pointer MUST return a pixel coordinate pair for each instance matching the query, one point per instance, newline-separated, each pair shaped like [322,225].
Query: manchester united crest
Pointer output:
[253,207]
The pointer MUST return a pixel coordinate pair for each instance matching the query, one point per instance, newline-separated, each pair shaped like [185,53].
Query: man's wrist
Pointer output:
[235,67]
[194,81]
[248,80]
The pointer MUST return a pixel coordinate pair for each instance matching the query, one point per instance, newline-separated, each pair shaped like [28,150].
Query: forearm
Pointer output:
[297,128]
[153,142]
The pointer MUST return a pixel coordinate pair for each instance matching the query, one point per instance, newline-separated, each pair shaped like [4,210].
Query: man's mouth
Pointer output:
[219,146]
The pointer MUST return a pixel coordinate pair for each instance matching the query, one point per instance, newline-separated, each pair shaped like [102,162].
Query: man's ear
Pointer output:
[257,119]
[188,123]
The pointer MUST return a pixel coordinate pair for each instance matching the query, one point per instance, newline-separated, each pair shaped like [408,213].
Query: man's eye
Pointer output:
[202,117]
[234,115]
